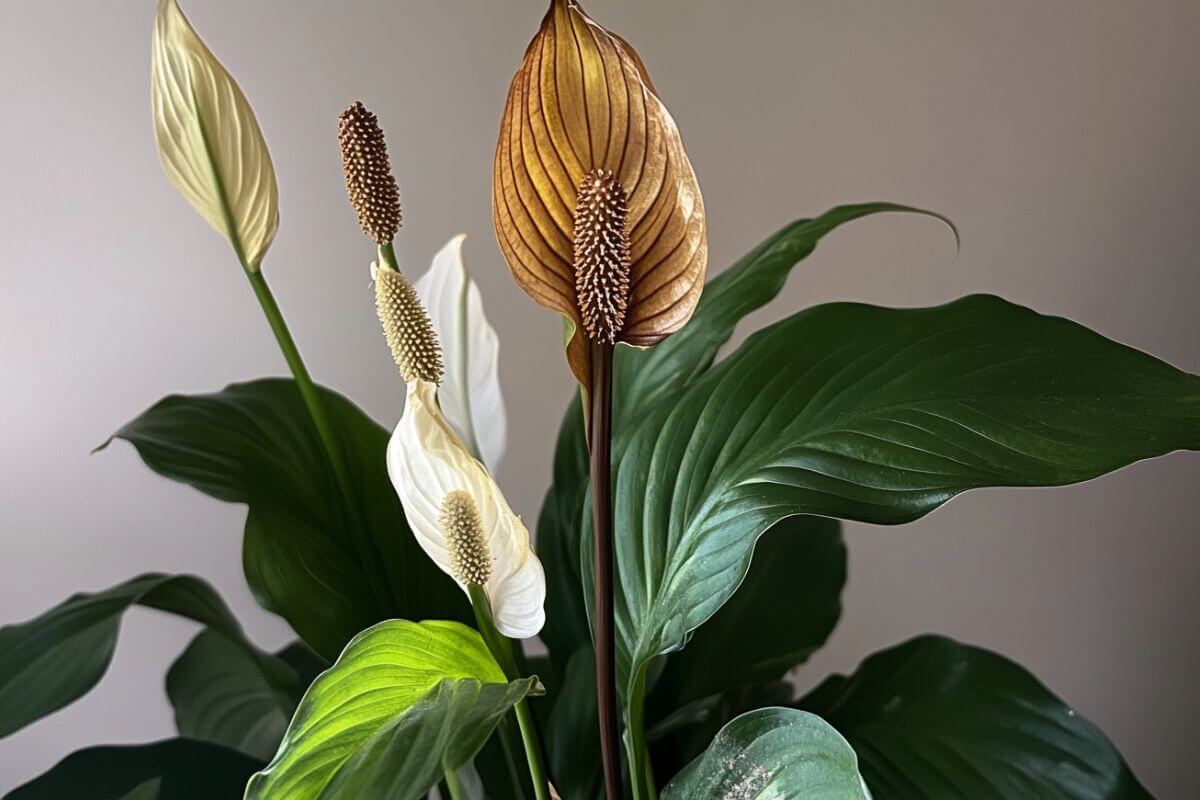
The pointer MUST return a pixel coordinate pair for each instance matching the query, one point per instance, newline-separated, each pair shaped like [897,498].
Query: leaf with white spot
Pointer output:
[775,753]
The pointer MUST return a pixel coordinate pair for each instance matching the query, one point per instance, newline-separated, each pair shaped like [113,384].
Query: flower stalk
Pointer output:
[502,650]
[600,443]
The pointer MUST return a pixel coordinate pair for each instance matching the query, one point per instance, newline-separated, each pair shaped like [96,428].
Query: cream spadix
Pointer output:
[461,519]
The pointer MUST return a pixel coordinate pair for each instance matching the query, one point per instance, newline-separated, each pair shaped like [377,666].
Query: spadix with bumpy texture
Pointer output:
[369,182]
[602,255]
[581,102]
[460,518]
[406,326]
[469,556]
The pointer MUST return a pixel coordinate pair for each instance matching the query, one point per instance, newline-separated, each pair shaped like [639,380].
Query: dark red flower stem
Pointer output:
[600,444]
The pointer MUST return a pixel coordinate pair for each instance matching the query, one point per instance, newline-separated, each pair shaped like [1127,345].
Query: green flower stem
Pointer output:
[387,254]
[502,650]
[316,409]
[641,772]
[454,785]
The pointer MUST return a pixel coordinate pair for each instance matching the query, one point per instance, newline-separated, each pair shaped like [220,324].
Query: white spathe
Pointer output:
[470,393]
[208,140]
[427,461]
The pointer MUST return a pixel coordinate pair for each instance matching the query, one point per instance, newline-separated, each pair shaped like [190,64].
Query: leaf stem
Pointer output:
[640,768]
[600,444]
[454,785]
[501,648]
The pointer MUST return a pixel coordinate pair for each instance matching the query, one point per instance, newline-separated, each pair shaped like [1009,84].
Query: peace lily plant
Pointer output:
[688,555]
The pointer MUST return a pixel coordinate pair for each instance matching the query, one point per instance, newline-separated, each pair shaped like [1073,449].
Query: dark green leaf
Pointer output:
[647,376]
[682,736]
[557,543]
[783,611]
[869,414]
[933,719]
[776,753]
[223,694]
[57,657]
[175,769]
[331,566]
[573,732]
[405,702]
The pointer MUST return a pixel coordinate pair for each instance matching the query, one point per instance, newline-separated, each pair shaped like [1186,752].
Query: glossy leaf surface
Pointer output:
[869,414]
[935,719]
[783,611]
[646,377]
[57,657]
[405,702]
[306,553]
[775,753]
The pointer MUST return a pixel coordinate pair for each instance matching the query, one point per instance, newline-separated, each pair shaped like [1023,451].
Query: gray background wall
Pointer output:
[1061,136]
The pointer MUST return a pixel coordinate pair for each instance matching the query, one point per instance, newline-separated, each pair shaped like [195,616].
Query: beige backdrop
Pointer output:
[1061,136]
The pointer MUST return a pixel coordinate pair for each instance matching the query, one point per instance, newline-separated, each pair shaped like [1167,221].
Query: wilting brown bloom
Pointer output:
[595,203]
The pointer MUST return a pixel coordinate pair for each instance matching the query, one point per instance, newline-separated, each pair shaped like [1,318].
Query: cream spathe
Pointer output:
[209,142]
[428,463]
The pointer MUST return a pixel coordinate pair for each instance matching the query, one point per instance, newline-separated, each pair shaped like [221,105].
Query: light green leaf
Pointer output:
[57,657]
[645,377]
[933,719]
[405,702]
[175,769]
[869,414]
[221,693]
[775,753]
[306,553]
[208,140]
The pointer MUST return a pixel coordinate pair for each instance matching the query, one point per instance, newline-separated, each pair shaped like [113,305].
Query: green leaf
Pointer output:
[644,377]
[781,614]
[175,769]
[574,730]
[331,566]
[775,753]
[557,543]
[223,694]
[870,414]
[935,719]
[405,702]
[58,657]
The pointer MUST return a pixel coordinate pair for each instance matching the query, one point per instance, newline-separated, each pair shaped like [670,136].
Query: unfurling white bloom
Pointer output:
[208,140]
[461,519]
[469,394]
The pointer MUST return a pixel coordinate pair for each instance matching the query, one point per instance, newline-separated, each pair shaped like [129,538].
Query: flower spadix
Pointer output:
[595,203]
[208,140]
[453,505]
